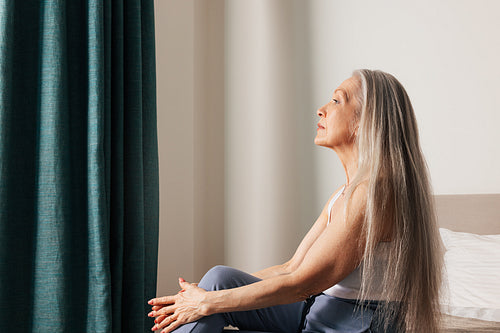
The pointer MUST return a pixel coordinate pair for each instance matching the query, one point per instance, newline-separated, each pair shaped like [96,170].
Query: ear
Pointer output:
[354,132]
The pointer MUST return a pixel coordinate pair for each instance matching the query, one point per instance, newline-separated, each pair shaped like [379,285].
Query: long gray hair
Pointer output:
[399,197]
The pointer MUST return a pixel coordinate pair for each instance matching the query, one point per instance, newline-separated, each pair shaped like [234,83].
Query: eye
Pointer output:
[335,101]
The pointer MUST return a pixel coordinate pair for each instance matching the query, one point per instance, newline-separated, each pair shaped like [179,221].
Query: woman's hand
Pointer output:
[173,311]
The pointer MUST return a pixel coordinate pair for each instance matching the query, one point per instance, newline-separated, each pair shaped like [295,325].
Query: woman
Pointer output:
[372,260]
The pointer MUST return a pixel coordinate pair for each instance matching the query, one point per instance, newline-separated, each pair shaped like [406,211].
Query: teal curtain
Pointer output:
[78,165]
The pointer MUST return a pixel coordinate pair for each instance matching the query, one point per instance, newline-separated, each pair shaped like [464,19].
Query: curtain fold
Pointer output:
[78,165]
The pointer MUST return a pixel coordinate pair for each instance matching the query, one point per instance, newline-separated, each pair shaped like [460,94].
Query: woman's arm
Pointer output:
[288,267]
[306,243]
[333,256]
[336,252]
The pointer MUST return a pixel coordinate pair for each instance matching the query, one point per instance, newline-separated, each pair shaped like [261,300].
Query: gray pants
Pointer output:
[319,314]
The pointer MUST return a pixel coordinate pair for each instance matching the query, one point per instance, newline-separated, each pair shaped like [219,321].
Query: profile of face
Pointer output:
[338,124]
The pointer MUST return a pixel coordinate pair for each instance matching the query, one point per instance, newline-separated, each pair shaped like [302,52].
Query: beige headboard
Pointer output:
[475,213]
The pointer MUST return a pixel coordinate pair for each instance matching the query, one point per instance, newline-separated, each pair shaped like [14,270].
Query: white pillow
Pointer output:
[471,286]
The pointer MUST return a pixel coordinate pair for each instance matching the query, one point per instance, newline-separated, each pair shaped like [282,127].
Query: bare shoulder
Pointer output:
[356,206]
[325,207]
[359,194]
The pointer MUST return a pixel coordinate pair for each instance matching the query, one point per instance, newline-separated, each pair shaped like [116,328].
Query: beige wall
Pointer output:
[238,85]
[269,191]
[190,58]
[445,53]
[208,135]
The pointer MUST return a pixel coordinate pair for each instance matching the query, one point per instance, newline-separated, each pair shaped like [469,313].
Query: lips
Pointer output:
[320,127]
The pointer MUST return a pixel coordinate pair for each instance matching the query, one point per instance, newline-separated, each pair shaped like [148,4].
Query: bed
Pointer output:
[470,229]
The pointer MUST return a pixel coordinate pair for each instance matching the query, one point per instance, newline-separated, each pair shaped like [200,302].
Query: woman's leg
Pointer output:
[280,318]
[332,315]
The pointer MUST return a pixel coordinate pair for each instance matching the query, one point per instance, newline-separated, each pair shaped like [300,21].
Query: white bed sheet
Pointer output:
[471,286]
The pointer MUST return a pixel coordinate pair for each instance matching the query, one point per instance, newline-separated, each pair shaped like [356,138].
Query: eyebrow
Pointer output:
[346,96]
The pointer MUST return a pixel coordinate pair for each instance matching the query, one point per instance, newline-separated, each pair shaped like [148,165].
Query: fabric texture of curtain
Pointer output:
[78,165]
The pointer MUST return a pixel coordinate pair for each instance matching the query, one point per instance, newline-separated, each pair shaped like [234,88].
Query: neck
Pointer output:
[349,158]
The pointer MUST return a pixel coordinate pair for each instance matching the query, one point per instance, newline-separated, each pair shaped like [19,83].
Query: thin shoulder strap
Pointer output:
[330,206]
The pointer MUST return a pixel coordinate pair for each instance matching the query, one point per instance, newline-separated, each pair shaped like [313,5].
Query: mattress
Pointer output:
[460,324]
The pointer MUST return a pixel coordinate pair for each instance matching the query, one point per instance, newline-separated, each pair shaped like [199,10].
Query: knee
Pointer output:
[217,278]
[219,270]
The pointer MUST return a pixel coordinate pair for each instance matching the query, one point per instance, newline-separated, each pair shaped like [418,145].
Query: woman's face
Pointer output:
[337,123]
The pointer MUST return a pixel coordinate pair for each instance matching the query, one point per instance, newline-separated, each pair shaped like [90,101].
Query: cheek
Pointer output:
[338,128]
[334,123]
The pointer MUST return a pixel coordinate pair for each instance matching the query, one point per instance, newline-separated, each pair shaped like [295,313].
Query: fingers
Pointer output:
[165,308]
[164,311]
[162,300]
[172,327]
[160,319]
[163,321]
[183,283]
[169,324]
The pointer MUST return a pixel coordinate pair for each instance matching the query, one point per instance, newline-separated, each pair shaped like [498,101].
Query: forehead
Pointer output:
[348,87]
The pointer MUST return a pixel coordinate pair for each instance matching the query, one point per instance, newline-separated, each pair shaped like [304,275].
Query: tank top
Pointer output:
[349,287]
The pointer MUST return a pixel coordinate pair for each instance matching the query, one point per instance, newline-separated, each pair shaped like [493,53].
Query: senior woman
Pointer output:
[372,260]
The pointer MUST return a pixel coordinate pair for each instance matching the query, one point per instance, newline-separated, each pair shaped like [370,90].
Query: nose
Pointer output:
[321,111]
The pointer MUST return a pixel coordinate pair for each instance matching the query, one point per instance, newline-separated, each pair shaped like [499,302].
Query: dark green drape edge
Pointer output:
[78,166]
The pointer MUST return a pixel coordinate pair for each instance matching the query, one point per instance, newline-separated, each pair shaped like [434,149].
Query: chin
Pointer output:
[322,143]
[319,142]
